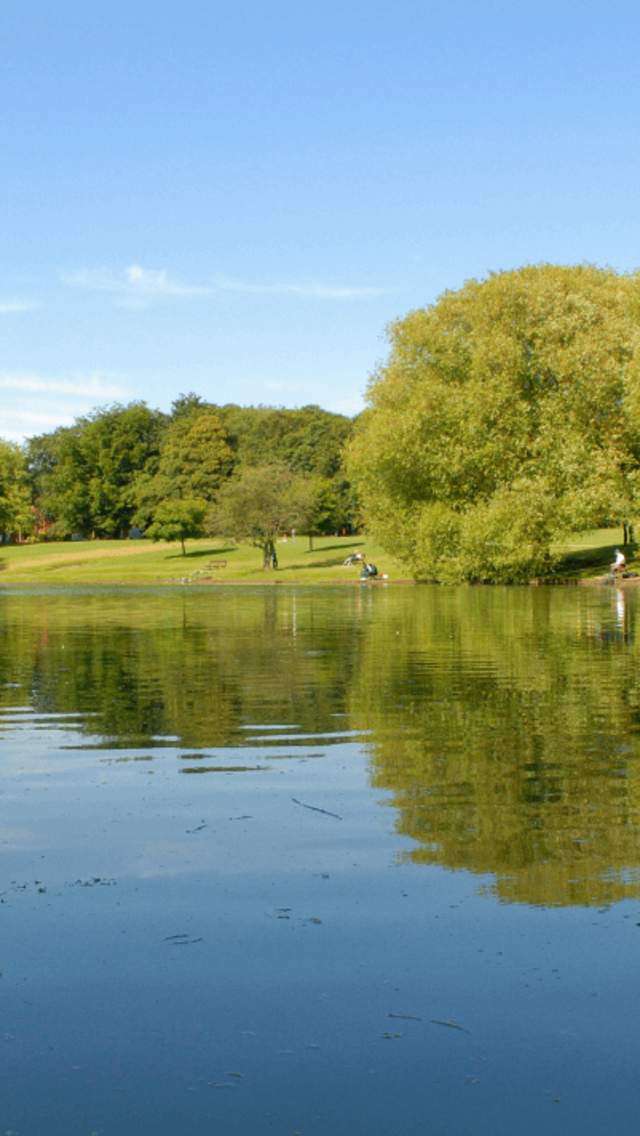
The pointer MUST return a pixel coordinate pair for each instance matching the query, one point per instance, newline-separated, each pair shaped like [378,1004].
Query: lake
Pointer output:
[342,862]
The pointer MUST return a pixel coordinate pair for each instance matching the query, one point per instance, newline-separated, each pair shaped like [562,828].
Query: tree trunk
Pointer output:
[310,542]
[267,555]
[184,551]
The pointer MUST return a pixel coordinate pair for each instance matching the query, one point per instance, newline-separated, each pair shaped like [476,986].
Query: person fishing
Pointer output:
[368,571]
[620,563]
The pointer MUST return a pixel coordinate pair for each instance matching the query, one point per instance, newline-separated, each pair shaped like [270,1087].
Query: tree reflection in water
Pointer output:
[502,722]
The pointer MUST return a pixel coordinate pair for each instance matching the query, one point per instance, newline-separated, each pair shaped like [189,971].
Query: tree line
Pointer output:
[201,468]
[506,416]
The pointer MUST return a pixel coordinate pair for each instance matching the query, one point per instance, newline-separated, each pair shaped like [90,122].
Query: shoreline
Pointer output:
[608,582]
[237,583]
[593,581]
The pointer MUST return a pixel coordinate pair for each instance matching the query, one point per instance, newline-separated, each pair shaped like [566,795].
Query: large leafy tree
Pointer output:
[59,471]
[309,441]
[194,459]
[260,503]
[178,519]
[120,443]
[508,412]
[83,476]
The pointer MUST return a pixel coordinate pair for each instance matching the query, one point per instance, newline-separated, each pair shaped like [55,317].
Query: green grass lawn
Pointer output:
[142,562]
[591,553]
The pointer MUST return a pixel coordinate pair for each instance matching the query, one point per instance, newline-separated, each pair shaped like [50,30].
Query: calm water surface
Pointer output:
[344,862]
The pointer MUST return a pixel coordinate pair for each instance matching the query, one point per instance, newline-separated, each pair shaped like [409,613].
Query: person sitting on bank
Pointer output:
[368,571]
[619,565]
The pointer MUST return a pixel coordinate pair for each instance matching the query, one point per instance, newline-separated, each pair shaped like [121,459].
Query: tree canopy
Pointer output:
[507,414]
[178,519]
[194,459]
[83,475]
[16,515]
[309,440]
[195,456]
[116,466]
[260,503]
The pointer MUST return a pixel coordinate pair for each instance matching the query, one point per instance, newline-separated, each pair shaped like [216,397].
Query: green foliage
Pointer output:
[83,476]
[508,538]
[332,505]
[119,442]
[194,459]
[16,516]
[178,519]
[309,440]
[59,472]
[261,503]
[114,467]
[187,404]
[508,413]
[434,548]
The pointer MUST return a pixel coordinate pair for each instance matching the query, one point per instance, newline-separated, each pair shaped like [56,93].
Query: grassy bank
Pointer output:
[209,561]
[591,553]
[206,561]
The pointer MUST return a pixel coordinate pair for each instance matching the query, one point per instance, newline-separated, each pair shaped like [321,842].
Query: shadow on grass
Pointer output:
[200,553]
[332,562]
[330,547]
[587,561]
[64,564]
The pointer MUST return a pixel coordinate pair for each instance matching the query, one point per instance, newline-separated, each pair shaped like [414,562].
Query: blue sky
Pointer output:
[237,200]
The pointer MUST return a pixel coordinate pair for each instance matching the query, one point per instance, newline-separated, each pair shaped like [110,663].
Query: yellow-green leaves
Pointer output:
[507,413]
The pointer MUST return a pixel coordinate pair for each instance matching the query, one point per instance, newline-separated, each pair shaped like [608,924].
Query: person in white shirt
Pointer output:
[619,563]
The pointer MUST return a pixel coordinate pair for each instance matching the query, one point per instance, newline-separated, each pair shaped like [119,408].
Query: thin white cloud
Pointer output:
[136,286]
[9,307]
[310,289]
[156,282]
[84,387]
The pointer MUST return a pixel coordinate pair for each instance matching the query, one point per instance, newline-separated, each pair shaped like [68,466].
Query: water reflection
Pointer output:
[506,727]
[502,723]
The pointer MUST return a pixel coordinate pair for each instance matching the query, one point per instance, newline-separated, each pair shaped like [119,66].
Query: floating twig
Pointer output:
[449,1025]
[315,809]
